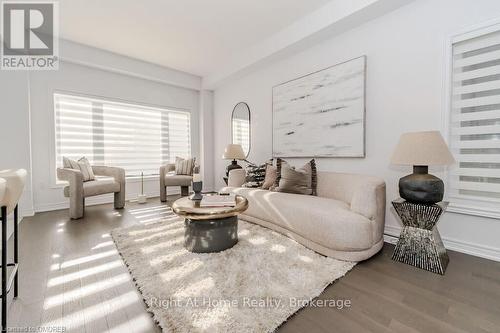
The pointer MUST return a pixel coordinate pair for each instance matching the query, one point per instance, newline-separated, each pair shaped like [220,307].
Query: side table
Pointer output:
[420,244]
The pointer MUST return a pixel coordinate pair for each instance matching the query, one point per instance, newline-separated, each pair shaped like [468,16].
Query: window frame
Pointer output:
[55,183]
[468,205]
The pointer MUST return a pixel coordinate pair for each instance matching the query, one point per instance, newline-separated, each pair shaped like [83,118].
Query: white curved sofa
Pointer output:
[344,221]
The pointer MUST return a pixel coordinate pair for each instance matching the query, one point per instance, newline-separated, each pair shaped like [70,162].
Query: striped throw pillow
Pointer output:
[83,165]
[70,164]
[184,166]
[86,169]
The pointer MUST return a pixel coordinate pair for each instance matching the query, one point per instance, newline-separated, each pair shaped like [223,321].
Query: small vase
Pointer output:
[197,187]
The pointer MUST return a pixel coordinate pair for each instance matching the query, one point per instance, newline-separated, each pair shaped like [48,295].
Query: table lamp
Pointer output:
[421,149]
[233,152]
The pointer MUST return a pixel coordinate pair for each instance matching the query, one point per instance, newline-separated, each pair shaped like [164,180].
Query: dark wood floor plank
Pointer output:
[70,275]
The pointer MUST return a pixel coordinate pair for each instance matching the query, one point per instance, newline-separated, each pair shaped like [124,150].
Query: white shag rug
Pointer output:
[252,287]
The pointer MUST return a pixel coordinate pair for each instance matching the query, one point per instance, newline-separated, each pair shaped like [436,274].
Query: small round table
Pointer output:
[209,229]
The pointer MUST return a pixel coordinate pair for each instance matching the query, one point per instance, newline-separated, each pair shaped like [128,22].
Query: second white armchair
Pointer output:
[77,190]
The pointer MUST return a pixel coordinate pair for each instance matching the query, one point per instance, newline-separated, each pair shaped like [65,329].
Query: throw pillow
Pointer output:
[270,178]
[255,175]
[83,165]
[86,169]
[184,166]
[70,164]
[299,181]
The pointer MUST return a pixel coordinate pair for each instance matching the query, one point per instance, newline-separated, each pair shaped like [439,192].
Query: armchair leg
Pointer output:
[184,191]
[163,193]
[76,207]
[119,200]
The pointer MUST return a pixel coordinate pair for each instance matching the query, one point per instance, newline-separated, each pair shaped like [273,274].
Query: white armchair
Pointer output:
[78,190]
[169,178]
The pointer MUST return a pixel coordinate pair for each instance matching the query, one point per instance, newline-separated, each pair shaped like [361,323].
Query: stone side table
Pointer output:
[420,244]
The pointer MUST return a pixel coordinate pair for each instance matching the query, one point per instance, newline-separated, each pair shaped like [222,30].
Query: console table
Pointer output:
[420,244]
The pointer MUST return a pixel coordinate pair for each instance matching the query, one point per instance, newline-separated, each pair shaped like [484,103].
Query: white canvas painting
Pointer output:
[321,114]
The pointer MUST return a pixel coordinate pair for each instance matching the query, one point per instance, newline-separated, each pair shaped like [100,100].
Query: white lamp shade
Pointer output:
[13,187]
[422,148]
[234,152]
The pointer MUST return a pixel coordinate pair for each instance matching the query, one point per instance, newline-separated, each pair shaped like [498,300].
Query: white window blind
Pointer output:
[475,123]
[131,136]
[241,133]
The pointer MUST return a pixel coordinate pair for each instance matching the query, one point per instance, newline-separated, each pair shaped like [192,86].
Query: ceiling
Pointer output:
[196,36]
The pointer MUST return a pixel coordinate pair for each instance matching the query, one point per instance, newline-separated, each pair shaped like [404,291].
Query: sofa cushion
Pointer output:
[101,185]
[325,221]
[171,179]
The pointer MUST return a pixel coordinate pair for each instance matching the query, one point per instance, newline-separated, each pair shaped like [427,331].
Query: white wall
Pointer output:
[27,116]
[15,134]
[405,91]
[112,62]
[15,130]
[85,80]
[207,139]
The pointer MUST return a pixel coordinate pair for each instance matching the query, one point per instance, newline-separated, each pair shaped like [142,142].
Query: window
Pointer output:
[241,133]
[475,123]
[131,136]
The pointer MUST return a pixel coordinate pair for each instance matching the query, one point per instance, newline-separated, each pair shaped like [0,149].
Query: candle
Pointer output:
[196,178]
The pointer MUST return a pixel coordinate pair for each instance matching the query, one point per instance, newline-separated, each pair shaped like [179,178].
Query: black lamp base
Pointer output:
[421,187]
[232,166]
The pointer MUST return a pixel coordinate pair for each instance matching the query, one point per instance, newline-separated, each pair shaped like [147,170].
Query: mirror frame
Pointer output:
[250,126]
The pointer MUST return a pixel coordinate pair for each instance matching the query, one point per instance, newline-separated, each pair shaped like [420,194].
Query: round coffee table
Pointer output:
[209,229]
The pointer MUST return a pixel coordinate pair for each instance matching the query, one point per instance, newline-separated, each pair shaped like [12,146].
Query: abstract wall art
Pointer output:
[321,114]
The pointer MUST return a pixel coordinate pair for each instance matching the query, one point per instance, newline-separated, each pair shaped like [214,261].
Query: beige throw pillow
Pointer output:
[83,165]
[184,166]
[70,164]
[299,181]
[270,178]
[86,169]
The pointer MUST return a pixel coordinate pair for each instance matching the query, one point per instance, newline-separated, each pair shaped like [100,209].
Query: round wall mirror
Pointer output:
[240,126]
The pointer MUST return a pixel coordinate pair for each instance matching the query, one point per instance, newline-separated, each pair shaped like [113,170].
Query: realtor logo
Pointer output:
[29,35]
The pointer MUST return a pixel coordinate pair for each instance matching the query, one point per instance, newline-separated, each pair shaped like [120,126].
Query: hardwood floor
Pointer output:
[72,276]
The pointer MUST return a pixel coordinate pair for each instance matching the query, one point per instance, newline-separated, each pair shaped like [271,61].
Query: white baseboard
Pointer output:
[98,200]
[390,239]
[27,212]
[391,234]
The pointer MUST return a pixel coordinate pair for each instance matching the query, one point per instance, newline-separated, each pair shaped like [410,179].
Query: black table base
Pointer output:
[206,236]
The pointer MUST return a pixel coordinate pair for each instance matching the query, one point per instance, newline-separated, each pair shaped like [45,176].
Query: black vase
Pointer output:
[421,187]
[197,187]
